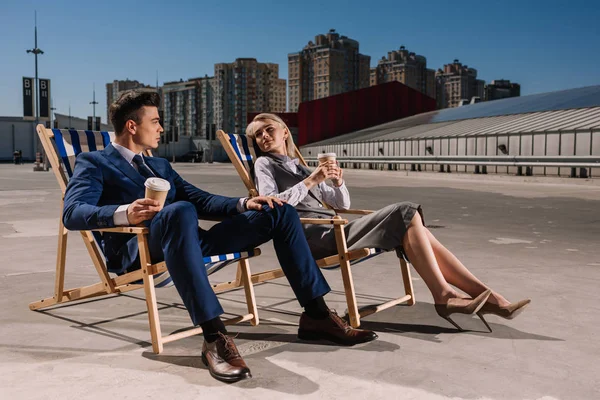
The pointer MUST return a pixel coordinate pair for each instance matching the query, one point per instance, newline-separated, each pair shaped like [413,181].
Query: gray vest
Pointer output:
[312,205]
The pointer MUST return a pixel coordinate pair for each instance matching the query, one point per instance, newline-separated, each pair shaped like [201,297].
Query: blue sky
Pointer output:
[543,45]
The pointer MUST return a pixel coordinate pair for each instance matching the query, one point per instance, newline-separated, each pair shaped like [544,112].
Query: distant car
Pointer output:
[191,156]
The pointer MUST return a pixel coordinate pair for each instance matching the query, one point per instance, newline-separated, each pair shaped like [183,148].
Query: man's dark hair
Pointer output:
[128,105]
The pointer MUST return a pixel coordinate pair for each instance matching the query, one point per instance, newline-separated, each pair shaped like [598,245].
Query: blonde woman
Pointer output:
[398,226]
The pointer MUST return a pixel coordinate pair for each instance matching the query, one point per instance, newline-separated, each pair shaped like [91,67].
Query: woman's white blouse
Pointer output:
[337,197]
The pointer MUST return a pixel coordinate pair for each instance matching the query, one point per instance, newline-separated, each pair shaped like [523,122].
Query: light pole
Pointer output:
[35,51]
[94,102]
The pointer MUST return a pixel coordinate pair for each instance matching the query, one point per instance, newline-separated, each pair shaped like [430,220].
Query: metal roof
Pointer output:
[561,100]
[567,110]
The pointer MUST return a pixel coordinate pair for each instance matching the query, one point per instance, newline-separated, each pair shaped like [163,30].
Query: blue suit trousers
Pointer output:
[175,238]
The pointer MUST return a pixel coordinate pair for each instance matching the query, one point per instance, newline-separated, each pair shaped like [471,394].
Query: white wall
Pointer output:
[17,135]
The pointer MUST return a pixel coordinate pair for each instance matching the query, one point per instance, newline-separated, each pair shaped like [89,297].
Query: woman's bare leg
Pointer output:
[419,250]
[456,274]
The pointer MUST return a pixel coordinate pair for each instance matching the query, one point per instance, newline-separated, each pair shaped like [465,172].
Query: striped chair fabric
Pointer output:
[246,151]
[70,143]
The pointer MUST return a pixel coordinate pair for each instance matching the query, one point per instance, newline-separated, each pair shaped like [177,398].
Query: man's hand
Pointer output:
[142,210]
[256,203]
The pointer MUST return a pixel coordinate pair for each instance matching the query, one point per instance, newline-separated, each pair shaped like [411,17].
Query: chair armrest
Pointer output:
[142,229]
[350,211]
[322,221]
[124,229]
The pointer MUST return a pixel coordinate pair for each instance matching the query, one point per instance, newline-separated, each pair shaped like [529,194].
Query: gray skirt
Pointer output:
[383,229]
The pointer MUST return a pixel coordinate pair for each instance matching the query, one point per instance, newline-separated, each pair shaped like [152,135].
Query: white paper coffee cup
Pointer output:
[324,157]
[157,189]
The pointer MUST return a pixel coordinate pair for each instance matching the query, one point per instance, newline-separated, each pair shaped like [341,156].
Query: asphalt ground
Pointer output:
[532,238]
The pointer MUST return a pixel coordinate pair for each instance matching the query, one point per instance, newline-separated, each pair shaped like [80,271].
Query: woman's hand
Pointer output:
[326,170]
[338,180]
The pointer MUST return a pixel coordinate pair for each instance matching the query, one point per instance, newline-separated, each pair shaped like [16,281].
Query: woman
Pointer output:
[398,226]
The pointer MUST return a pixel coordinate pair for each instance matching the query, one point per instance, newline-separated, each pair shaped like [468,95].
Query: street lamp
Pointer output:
[94,102]
[35,51]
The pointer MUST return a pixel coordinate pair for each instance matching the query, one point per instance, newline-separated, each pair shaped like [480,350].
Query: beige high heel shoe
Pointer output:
[445,310]
[507,312]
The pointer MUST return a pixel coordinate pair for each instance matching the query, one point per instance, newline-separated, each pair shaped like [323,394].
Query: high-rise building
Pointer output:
[407,68]
[246,86]
[330,65]
[188,108]
[457,82]
[115,88]
[501,89]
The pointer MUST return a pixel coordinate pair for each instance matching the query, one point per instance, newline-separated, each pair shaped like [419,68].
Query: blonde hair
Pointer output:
[252,127]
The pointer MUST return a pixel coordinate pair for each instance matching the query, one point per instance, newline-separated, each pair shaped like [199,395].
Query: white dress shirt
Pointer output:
[337,196]
[120,215]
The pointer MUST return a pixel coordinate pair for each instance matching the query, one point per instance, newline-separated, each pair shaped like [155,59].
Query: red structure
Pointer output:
[348,112]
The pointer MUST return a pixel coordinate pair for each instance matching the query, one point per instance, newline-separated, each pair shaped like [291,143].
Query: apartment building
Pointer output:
[330,65]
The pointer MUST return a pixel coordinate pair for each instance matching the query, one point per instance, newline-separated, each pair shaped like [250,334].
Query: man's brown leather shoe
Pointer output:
[332,328]
[224,361]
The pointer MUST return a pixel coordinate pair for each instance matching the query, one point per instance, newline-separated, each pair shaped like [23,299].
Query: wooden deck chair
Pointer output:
[242,153]
[62,146]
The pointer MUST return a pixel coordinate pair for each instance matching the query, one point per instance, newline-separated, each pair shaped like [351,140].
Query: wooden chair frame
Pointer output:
[344,256]
[125,283]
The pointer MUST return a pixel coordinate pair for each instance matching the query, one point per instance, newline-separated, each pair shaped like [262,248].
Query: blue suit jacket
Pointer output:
[103,180]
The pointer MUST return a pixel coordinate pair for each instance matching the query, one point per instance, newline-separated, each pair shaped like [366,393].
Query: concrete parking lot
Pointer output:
[526,237]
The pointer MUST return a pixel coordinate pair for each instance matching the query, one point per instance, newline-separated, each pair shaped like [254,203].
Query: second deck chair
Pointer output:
[242,154]
[62,146]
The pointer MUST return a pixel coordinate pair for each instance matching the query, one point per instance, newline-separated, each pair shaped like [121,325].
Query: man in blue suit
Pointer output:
[107,189]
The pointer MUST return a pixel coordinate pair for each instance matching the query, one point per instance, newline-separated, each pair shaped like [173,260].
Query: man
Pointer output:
[107,189]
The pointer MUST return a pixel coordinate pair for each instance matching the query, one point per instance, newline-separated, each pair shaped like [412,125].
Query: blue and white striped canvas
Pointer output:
[211,263]
[215,263]
[70,143]
[245,150]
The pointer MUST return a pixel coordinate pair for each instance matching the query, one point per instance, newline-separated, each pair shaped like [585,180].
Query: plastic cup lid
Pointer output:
[158,184]
[328,155]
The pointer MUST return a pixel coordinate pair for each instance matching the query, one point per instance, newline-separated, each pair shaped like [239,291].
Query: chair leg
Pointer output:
[98,261]
[244,268]
[61,254]
[60,294]
[408,285]
[340,239]
[238,275]
[349,291]
[153,320]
